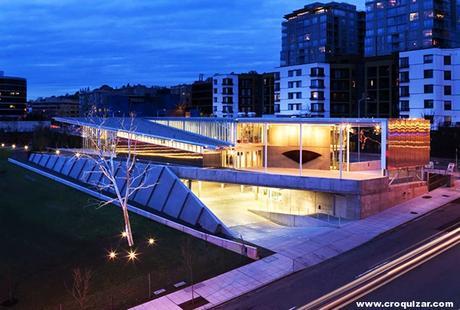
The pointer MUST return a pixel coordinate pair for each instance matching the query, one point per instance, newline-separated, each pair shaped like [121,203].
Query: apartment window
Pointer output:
[277,76]
[447,60]
[277,86]
[428,104]
[428,74]
[404,62]
[448,105]
[413,16]
[404,91]
[317,83]
[294,84]
[215,82]
[317,107]
[447,90]
[227,81]
[317,71]
[404,105]
[215,99]
[404,77]
[296,95]
[429,118]
[297,72]
[428,59]
[447,75]
[215,90]
[428,89]
[317,95]
[294,106]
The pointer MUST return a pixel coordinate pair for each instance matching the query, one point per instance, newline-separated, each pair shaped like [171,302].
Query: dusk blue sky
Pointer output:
[61,46]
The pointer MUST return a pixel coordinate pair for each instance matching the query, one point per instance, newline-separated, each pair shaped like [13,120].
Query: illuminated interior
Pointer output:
[288,146]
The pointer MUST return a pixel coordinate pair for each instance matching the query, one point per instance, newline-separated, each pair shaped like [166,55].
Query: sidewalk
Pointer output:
[301,253]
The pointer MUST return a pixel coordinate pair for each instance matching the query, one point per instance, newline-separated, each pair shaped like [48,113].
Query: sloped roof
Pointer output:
[147,128]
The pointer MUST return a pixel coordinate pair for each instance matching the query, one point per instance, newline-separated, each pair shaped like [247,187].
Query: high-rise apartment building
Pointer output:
[319,32]
[430,85]
[403,25]
[328,37]
[13,97]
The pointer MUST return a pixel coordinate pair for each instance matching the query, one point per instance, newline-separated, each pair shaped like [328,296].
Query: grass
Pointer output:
[49,229]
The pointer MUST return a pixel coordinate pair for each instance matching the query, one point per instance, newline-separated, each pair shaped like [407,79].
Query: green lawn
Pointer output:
[48,229]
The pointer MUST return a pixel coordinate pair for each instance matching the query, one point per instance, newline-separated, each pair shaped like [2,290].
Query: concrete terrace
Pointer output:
[294,254]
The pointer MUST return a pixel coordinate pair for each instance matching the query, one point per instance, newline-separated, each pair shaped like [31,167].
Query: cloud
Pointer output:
[63,45]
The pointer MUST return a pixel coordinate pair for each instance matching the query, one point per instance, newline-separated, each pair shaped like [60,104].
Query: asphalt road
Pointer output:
[437,280]
[311,283]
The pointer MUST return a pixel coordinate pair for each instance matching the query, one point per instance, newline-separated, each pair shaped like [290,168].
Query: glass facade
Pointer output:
[320,32]
[401,25]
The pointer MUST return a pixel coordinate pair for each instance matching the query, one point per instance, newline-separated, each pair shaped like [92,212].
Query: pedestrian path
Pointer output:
[300,253]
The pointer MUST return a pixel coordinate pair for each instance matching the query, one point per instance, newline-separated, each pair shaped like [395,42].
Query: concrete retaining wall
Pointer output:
[396,194]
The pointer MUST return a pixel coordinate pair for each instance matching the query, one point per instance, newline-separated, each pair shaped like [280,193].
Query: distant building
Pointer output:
[244,95]
[65,106]
[401,25]
[184,91]
[319,32]
[13,97]
[430,85]
[201,98]
[139,100]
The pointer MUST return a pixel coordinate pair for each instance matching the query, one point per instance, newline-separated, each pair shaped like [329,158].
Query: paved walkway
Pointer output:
[300,253]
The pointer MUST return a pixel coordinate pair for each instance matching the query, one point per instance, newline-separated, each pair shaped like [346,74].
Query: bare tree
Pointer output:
[105,144]
[81,286]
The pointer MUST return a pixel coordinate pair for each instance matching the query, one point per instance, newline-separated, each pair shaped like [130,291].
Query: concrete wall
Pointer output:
[286,137]
[320,184]
[396,194]
[365,165]
[212,159]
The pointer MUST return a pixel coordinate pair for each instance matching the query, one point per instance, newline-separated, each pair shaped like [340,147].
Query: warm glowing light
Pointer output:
[3,144]
[151,241]
[26,147]
[112,255]
[377,129]
[13,146]
[58,152]
[124,234]
[132,255]
[78,155]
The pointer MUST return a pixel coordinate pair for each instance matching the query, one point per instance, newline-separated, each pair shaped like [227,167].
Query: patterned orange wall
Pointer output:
[408,143]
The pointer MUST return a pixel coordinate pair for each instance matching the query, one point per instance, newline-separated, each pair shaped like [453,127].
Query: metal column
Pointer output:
[340,150]
[300,150]
[383,146]
[265,147]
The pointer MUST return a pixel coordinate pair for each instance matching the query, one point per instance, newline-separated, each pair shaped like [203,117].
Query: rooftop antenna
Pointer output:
[200,77]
